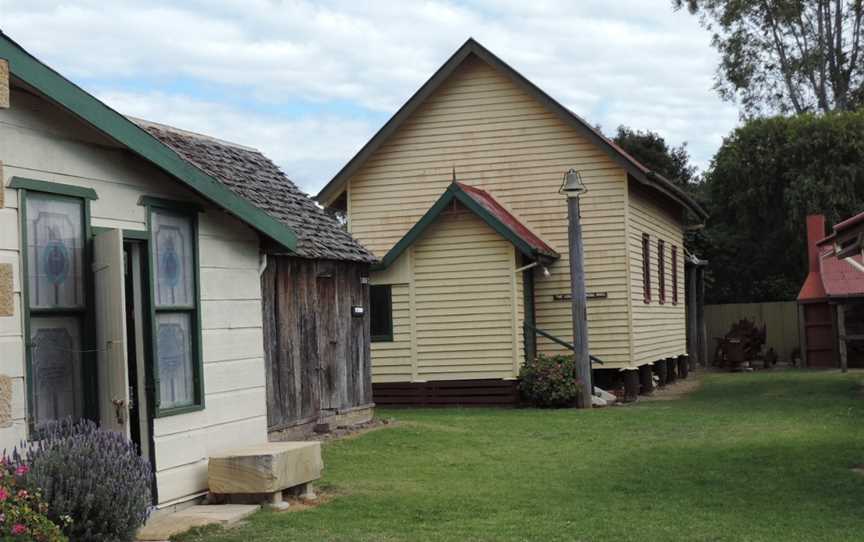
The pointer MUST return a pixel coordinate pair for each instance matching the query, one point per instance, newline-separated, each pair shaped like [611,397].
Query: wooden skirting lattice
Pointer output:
[447,393]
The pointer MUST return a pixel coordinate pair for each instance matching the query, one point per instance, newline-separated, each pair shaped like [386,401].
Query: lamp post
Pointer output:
[573,187]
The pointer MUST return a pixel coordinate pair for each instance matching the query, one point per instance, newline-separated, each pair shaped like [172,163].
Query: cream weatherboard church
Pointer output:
[457,194]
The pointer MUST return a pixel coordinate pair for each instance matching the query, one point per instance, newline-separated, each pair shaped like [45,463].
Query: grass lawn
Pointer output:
[761,456]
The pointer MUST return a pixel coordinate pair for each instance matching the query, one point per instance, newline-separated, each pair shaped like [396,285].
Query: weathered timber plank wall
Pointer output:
[780,319]
[317,353]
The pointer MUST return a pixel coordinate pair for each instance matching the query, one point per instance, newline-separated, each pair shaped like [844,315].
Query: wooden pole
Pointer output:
[802,334]
[701,330]
[841,337]
[578,306]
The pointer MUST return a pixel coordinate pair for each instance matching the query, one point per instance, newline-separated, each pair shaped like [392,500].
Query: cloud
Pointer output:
[318,77]
[306,148]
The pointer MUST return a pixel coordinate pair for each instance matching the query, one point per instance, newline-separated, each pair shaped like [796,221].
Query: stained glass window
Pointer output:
[55,251]
[56,367]
[173,254]
[174,346]
[173,260]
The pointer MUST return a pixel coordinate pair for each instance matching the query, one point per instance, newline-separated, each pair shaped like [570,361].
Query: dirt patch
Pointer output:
[677,390]
[353,431]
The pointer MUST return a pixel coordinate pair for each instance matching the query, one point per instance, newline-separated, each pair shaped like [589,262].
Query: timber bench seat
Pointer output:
[266,469]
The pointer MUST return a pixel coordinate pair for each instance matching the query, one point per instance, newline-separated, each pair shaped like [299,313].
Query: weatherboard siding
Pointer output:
[392,359]
[659,330]
[464,300]
[40,141]
[499,138]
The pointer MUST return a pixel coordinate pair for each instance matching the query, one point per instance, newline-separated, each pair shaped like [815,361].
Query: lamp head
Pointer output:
[572,187]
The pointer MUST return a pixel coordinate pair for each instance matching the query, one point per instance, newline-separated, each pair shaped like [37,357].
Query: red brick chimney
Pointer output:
[813,289]
[815,233]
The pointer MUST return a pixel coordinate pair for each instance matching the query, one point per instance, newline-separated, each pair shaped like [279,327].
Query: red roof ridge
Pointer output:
[517,226]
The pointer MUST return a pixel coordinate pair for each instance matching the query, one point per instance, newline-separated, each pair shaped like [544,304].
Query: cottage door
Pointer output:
[110,320]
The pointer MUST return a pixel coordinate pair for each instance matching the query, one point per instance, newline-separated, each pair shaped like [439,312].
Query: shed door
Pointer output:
[111,331]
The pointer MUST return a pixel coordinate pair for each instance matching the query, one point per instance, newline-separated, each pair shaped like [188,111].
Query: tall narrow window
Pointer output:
[381,313]
[646,268]
[54,238]
[661,270]
[175,300]
[674,275]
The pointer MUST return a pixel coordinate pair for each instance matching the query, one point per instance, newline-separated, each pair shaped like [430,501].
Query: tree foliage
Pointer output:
[786,56]
[766,177]
[651,149]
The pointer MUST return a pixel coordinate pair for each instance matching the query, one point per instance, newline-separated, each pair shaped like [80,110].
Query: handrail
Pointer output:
[561,342]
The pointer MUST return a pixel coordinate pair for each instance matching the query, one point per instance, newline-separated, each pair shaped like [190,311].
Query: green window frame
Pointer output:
[81,313]
[381,303]
[188,310]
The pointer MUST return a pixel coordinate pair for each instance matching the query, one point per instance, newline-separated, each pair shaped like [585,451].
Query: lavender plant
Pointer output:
[93,476]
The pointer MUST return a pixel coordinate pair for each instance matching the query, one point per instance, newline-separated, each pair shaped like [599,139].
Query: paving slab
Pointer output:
[164,527]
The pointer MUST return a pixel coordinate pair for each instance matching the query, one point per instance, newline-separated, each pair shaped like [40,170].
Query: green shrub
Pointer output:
[549,381]
[23,513]
[93,476]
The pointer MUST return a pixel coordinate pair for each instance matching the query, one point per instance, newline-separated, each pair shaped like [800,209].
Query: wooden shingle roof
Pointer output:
[255,178]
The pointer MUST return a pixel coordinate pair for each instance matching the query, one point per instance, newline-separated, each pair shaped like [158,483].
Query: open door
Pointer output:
[110,319]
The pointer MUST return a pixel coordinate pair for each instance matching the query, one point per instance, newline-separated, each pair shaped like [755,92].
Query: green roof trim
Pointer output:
[454,192]
[170,204]
[70,96]
[53,188]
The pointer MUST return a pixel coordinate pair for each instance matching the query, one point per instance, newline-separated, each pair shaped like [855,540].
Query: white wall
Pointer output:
[39,141]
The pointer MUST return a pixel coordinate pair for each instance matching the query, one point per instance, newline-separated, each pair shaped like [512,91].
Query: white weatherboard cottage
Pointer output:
[130,288]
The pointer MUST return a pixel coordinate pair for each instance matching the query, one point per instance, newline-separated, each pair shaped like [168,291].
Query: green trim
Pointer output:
[70,190]
[84,314]
[68,95]
[139,235]
[454,192]
[529,319]
[170,204]
[190,212]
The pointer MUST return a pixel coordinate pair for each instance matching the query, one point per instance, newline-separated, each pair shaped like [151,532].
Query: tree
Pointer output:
[786,56]
[767,176]
[652,150]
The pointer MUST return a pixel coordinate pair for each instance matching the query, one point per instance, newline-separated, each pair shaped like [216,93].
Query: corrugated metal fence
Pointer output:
[780,318]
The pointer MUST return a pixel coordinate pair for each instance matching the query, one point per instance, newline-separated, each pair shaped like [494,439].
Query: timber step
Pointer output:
[266,469]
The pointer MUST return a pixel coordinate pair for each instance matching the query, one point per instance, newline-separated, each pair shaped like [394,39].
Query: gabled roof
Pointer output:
[472,48]
[834,279]
[254,177]
[489,210]
[66,94]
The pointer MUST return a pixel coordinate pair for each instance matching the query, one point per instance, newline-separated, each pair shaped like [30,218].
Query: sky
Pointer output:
[308,83]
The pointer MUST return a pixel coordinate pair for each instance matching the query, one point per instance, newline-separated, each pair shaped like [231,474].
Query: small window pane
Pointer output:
[57,387]
[646,268]
[55,251]
[174,353]
[172,252]
[381,313]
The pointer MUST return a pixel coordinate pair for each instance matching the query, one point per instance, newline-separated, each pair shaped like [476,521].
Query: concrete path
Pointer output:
[165,526]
